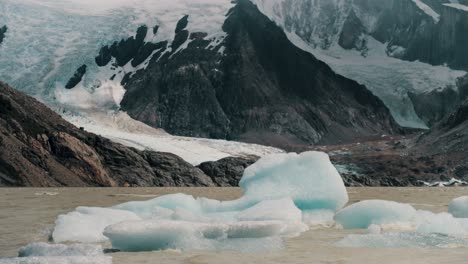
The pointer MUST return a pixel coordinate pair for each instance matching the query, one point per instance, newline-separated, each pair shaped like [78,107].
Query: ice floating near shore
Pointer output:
[284,195]
[86,224]
[60,250]
[277,189]
[374,212]
[401,240]
[43,253]
[459,207]
[392,224]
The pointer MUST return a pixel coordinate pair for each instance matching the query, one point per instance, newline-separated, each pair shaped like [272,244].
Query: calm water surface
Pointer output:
[28,215]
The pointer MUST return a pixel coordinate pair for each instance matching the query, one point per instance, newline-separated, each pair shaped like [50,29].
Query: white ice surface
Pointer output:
[392,224]
[374,212]
[44,253]
[459,207]
[458,6]
[58,260]
[119,127]
[86,224]
[428,10]
[41,249]
[48,40]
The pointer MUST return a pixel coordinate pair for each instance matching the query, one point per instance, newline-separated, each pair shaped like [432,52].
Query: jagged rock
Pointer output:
[38,148]
[228,171]
[3,30]
[181,24]
[123,51]
[261,89]
[77,77]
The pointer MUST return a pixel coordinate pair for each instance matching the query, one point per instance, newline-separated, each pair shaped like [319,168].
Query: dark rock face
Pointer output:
[227,172]
[38,148]
[433,106]
[260,89]
[407,26]
[77,77]
[3,30]
[409,32]
[351,36]
[126,50]
[449,140]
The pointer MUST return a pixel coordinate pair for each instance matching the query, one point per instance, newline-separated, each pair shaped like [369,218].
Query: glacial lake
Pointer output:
[28,214]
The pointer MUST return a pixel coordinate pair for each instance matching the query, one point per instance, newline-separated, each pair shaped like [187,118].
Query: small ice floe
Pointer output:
[459,207]
[392,224]
[44,253]
[46,193]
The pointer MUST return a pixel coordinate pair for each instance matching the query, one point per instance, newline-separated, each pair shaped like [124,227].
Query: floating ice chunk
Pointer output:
[283,210]
[442,223]
[43,253]
[401,240]
[459,207]
[43,249]
[309,179]
[374,212]
[275,190]
[58,260]
[152,235]
[86,224]
[145,209]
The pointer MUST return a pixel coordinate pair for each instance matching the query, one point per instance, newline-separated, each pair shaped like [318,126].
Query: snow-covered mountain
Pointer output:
[390,46]
[126,61]
[47,41]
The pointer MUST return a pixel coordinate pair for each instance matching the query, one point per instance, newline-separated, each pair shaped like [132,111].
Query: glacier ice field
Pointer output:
[284,196]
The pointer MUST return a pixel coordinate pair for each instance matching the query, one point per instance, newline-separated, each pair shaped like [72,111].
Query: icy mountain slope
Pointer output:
[120,128]
[379,43]
[47,40]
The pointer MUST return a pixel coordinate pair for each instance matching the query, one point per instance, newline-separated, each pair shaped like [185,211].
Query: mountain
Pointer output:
[38,148]
[253,85]
[394,47]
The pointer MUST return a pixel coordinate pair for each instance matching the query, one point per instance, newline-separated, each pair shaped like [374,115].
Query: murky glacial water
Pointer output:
[28,215]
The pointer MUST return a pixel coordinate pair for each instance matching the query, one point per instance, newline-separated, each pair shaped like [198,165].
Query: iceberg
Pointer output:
[86,224]
[459,207]
[401,240]
[43,253]
[277,190]
[41,249]
[58,260]
[374,212]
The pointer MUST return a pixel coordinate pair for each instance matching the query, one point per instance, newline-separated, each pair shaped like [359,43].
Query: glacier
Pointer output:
[41,67]
[315,26]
